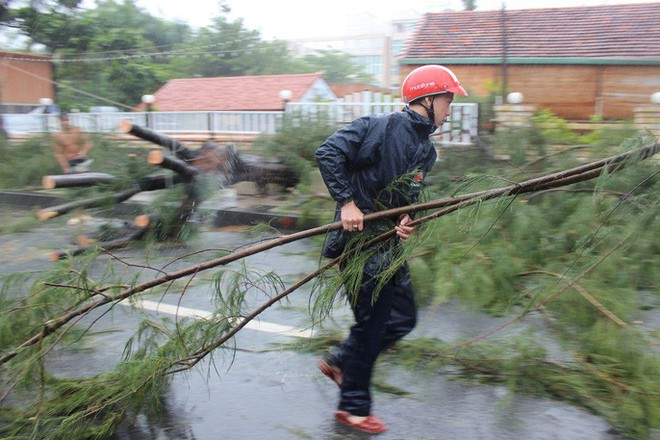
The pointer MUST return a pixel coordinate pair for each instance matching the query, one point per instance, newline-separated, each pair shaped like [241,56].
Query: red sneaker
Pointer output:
[330,369]
[371,424]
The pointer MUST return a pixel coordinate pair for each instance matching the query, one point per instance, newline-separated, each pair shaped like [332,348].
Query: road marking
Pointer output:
[186,312]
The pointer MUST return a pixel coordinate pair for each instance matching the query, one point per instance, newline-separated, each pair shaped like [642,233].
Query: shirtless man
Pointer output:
[71,147]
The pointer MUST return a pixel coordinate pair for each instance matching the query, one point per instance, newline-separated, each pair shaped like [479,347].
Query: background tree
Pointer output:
[337,67]
[117,52]
[469,5]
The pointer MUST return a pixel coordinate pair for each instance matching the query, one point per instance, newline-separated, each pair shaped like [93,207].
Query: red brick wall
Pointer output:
[25,79]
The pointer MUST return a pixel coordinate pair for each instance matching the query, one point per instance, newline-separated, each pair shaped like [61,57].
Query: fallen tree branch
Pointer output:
[586,295]
[451,204]
[126,126]
[181,167]
[540,306]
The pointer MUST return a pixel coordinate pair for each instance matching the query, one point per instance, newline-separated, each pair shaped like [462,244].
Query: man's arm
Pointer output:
[334,158]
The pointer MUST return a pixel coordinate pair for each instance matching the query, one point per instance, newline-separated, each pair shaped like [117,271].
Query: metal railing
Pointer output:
[461,128]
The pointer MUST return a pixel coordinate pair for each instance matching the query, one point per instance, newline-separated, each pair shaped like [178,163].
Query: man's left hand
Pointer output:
[403,230]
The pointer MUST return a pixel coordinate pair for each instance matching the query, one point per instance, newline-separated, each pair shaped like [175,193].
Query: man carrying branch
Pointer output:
[375,163]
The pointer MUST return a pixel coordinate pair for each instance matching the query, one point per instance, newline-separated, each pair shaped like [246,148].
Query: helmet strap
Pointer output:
[429,110]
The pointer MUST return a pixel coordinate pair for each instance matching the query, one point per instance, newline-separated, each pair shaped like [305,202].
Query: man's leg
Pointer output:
[403,316]
[361,348]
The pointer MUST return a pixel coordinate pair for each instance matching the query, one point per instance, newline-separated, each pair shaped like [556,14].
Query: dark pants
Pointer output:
[377,325]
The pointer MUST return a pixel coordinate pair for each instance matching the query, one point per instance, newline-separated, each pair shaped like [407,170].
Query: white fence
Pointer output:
[461,128]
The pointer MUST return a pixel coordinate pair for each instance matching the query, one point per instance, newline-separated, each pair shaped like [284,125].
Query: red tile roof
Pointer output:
[629,32]
[236,93]
[345,89]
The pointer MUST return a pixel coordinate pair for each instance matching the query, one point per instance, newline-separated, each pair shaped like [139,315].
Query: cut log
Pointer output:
[75,180]
[149,183]
[142,221]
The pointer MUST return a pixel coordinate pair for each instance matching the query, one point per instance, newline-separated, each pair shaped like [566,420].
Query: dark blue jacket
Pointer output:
[361,160]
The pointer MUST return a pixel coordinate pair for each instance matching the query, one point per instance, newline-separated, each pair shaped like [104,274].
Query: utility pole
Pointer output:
[505,50]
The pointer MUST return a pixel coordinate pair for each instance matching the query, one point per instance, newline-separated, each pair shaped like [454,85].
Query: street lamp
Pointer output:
[655,98]
[515,98]
[149,100]
[45,103]
[285,96]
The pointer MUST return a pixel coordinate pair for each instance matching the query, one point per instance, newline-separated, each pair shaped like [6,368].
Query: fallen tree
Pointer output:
[239,167]
[444,206]
[88,402]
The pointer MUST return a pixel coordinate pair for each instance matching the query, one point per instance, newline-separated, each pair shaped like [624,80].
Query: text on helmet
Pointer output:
[423,86]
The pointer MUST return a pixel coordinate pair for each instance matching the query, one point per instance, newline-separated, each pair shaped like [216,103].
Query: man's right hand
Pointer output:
[351,217]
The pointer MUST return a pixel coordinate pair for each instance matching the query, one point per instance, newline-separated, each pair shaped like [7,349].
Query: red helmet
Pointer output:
[430,80]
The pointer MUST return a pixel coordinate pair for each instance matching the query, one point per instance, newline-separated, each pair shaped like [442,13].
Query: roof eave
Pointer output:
[499,60]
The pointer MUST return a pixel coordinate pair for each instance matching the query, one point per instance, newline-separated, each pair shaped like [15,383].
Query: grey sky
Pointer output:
[286,19]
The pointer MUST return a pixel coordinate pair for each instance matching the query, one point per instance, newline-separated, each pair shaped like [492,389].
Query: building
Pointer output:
[26,82]
[240,93]
[576,62]
[373,46]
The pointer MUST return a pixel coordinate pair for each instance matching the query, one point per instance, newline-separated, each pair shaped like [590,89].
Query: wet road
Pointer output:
[264,391]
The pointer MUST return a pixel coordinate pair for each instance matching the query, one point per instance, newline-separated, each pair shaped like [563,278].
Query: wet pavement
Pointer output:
[265,391]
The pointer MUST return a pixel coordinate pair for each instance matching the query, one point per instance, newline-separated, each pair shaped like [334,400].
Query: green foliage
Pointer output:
[25,164]
[13,220]
[515,255]
[510,255]
[93,406]
[520,143]
[296,141]
[553,129]
[608,136]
